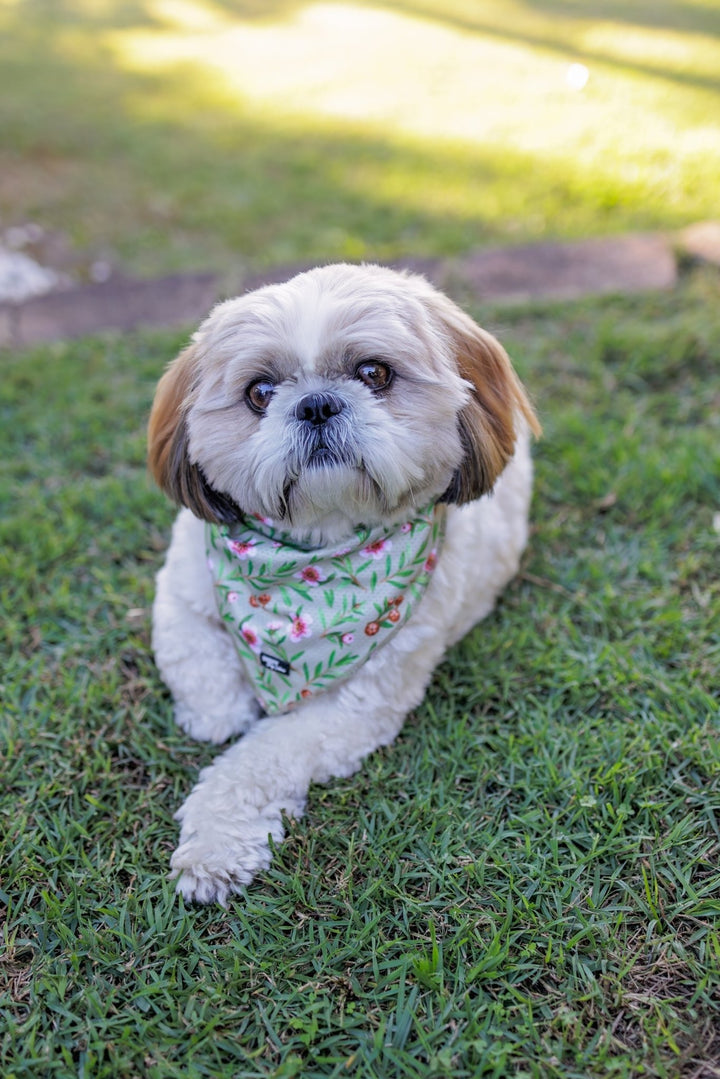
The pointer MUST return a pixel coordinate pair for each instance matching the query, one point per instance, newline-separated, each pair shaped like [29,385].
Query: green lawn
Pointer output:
[212,134]
[525,884]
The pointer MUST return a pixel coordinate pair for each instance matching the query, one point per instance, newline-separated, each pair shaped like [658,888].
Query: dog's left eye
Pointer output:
[258,394]
[374,374]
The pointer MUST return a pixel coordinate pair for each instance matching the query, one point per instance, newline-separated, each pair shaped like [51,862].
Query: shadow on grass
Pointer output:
[558,26]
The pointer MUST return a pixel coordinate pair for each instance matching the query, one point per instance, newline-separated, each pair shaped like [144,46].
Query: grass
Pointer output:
[525,884]
[225,134]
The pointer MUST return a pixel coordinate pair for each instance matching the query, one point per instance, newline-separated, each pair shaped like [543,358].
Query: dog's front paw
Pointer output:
[224,842]
[217,728]
[210,865]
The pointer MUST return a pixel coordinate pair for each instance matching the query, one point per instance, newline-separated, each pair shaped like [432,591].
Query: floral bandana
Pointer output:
[304,618]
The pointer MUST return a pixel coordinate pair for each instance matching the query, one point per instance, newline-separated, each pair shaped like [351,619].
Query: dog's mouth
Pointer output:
[325,446]
[322,456]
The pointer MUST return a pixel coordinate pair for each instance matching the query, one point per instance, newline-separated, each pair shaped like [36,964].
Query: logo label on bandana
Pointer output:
[304,620]
[272,663]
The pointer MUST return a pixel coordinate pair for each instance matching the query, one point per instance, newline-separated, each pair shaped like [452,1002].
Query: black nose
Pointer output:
[317,408]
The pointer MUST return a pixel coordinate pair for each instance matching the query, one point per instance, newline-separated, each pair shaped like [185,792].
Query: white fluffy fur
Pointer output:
[239,800]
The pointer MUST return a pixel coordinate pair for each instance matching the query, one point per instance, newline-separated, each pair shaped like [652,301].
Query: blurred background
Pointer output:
[151,136]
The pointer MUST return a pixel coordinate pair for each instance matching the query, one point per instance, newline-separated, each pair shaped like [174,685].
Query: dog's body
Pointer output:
[350,396]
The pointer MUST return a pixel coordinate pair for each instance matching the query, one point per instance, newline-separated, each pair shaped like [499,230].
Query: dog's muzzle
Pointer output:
[323,431]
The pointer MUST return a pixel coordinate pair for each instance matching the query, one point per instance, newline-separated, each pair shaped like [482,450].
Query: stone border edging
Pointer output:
[543,271]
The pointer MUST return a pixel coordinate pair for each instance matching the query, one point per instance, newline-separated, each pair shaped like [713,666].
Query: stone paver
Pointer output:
[634,263]
[701,242]
[114,305]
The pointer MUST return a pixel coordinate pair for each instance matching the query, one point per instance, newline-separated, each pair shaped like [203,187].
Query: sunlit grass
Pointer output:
[417,76]
[203,133]
[395,75]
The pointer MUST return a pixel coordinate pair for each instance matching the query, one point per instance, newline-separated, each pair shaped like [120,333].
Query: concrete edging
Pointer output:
[543,271]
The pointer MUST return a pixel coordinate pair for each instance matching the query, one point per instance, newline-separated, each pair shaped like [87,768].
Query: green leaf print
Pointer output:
[342,606]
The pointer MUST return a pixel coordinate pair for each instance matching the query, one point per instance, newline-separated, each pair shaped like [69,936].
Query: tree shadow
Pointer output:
[679,15]
[665,15]
[570,16]
[141,13]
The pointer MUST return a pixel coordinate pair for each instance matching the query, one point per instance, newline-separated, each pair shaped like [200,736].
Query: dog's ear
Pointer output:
[168,454]
[488,422]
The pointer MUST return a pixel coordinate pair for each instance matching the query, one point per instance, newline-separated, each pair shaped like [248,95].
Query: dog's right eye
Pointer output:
[258,394]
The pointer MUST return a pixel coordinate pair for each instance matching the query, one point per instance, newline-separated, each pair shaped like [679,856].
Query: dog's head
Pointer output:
[348,395]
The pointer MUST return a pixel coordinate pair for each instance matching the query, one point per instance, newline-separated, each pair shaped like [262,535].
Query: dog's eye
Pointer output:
[258,394]
[374,374]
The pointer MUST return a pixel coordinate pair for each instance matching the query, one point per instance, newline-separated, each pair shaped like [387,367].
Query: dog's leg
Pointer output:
[194,654]
[240,798]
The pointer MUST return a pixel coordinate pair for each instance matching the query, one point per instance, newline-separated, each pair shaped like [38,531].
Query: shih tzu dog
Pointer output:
[352,452]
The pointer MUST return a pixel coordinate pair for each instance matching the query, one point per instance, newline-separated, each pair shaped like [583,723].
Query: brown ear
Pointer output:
[488,422]
[168,456]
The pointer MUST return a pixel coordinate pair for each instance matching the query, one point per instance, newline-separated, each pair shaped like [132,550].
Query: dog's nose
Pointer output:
[317,408]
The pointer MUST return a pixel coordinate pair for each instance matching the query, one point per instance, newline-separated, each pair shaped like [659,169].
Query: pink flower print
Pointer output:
[347,638]
[310,575]
[378,548]
[300,627]
[251,638]
[263,520]
[273,627]
[240,550]
[407,527]
[431,560]
[232,597]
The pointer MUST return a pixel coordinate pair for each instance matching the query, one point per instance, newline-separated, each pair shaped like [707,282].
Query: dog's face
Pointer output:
[349,395]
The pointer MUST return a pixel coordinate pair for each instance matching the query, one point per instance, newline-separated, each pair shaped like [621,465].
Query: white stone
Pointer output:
[21,277]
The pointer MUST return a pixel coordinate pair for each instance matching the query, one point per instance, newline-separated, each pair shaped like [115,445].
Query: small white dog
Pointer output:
[334,440]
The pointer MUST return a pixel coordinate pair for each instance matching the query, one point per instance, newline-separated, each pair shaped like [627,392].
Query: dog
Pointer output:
[352,455]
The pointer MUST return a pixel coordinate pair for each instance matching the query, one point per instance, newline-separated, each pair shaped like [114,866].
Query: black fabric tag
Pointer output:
[279,666]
